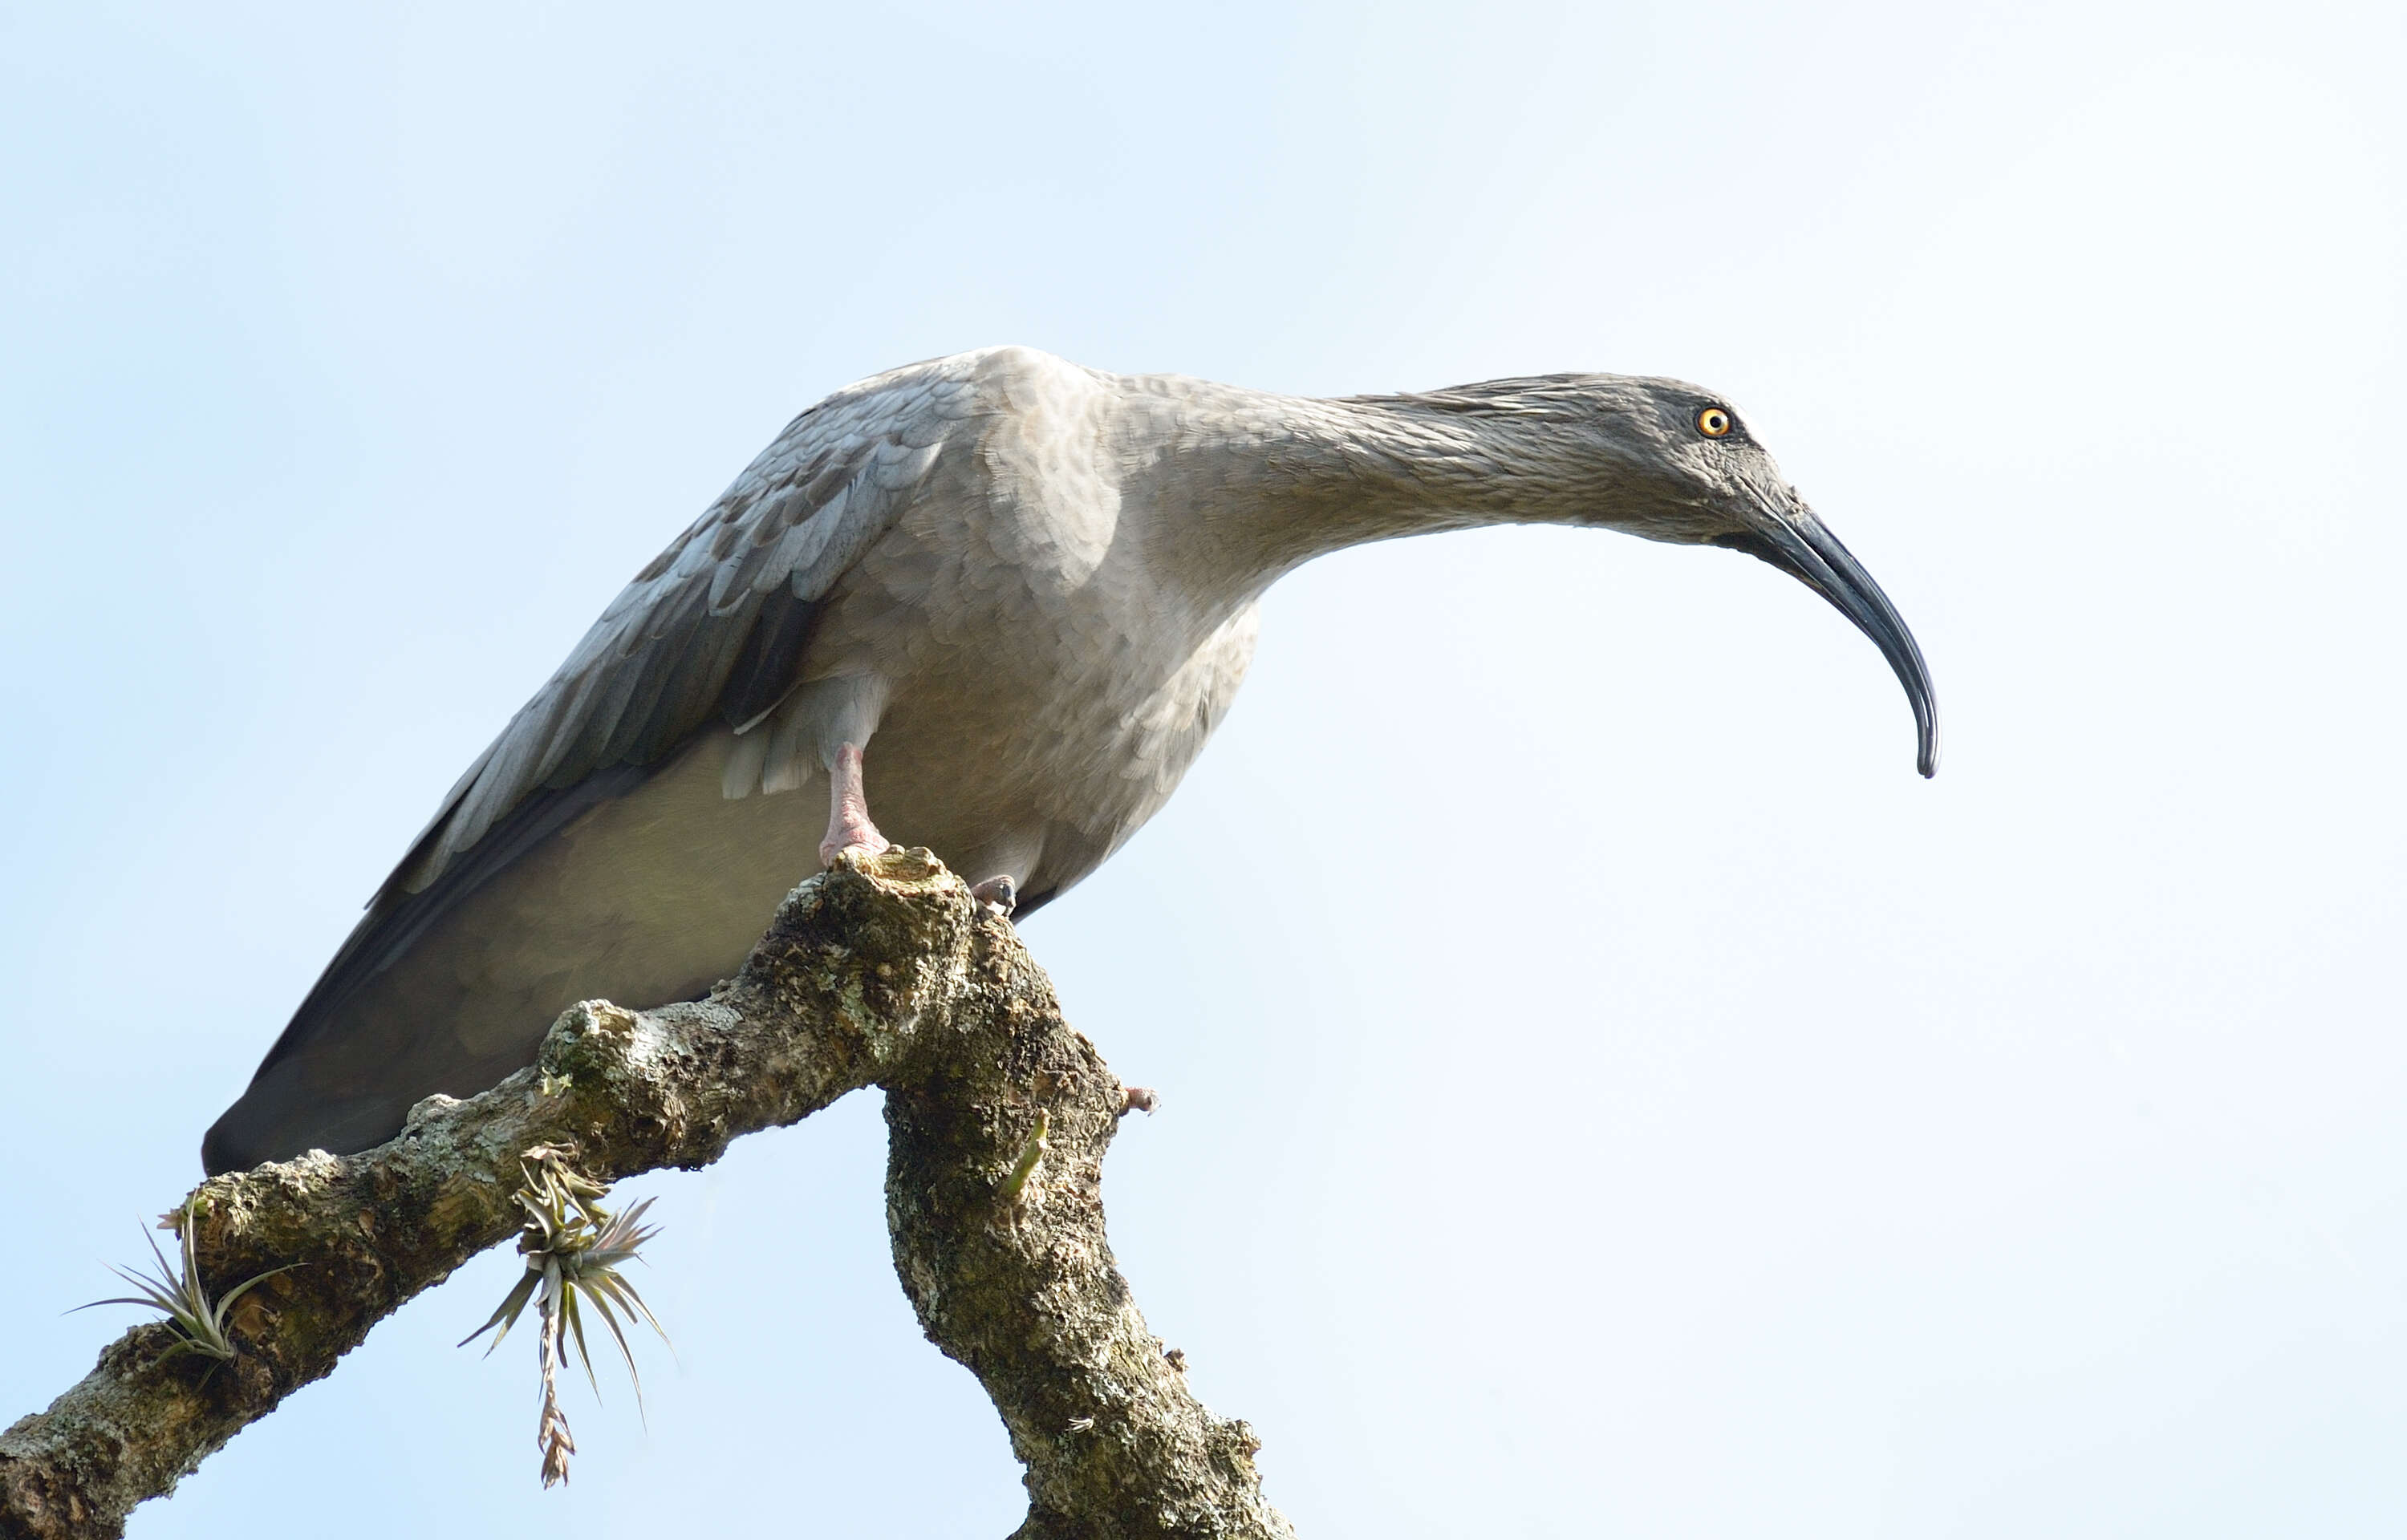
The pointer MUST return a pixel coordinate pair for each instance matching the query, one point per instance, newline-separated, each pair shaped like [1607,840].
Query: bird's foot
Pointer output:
[1000,894]
[848,825]
[852,834]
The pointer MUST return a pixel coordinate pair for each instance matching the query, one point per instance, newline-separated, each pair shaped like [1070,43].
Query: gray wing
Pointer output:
[712,630]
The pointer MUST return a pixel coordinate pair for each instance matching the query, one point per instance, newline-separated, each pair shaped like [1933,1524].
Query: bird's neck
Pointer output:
[1252,485]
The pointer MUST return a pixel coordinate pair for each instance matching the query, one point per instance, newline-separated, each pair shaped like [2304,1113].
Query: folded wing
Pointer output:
[713,630]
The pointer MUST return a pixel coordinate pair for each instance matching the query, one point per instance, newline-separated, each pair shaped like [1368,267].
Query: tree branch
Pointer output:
[880,971]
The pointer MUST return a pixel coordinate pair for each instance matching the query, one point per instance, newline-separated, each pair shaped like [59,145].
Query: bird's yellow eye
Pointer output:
[1713,422]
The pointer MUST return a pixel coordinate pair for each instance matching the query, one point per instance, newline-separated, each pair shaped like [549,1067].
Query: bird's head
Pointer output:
[1673,461]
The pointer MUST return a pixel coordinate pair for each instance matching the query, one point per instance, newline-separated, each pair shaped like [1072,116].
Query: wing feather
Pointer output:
[712,629]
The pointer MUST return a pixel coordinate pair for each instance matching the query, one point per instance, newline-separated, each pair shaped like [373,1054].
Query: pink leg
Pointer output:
[849,822]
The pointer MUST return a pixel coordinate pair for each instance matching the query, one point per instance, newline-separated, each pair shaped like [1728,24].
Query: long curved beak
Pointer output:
[1797,544]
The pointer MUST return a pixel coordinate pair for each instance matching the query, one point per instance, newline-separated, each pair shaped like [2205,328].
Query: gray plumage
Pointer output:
[1028,590]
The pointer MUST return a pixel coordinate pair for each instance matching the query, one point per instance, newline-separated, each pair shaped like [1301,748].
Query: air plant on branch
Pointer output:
[573,1250]
[180,1297]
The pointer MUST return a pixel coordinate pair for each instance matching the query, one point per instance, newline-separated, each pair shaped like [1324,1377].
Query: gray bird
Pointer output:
[1035,588]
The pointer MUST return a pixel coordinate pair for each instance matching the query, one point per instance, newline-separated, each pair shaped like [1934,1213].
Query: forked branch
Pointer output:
[881,972]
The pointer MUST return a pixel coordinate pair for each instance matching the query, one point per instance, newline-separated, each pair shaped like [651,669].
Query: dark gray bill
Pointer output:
[1798,544]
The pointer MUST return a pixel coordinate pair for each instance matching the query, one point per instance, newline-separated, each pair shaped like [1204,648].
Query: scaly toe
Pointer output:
[998,894]
[863,840]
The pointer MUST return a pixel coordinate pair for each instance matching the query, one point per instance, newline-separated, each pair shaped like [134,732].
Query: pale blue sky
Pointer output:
[1752,1141]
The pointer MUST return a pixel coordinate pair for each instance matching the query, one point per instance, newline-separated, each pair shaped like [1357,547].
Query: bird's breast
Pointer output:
[1034,709]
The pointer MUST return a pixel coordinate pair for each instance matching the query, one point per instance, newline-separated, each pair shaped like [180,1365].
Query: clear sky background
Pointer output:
[1605,1092]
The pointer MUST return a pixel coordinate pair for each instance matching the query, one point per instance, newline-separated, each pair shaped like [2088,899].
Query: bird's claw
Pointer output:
[1000,894]
[866,839]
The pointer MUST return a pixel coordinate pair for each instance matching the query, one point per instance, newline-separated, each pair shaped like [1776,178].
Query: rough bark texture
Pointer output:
[882,972]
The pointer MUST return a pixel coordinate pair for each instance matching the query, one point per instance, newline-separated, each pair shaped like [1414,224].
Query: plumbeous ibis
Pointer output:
[1012,595]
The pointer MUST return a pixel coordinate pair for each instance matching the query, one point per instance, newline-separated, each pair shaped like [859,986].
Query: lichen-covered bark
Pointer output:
[994,1199]
[881,972]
